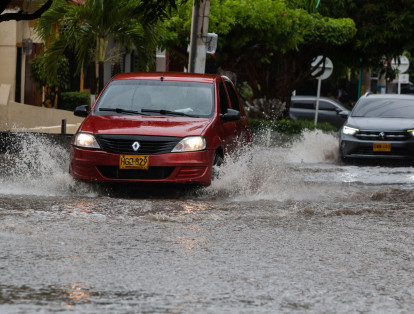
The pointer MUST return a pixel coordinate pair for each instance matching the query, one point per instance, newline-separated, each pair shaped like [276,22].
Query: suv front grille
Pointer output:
[149,145]
[389,136]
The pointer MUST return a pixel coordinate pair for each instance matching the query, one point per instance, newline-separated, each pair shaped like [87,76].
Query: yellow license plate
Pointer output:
[133,162]
[381,147]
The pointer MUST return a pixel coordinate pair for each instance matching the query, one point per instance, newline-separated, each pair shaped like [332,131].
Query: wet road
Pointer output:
[283,230]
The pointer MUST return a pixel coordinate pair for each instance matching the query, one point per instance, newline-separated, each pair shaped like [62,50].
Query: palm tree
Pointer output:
[86,29]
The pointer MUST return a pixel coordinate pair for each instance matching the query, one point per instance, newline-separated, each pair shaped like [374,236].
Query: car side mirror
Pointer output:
[231,115]
[81,111]
[344,114]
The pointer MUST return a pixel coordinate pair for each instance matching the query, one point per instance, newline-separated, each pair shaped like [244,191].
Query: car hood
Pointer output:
[384,124]
[144,125]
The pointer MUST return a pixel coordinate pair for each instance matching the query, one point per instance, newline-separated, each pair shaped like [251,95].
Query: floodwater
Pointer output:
[283,230]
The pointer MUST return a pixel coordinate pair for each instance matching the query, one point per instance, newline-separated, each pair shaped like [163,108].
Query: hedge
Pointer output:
[70,100]
[290,126]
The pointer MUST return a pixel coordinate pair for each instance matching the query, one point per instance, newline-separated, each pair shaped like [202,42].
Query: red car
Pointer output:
[159,128]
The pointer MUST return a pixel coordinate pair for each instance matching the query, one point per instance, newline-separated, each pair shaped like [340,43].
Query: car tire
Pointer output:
[217,162]
[346,160]
[342,158]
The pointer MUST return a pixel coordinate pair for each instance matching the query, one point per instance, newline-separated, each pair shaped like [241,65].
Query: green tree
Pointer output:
[86,30]
[270,44]
[385,29]
[53,87]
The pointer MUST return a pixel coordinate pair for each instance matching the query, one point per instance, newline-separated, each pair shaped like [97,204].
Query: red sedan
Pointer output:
[159,128]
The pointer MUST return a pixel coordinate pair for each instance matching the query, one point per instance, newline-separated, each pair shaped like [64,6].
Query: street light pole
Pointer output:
[198,38]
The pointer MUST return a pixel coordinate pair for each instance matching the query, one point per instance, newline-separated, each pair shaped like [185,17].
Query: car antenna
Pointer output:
[162,77]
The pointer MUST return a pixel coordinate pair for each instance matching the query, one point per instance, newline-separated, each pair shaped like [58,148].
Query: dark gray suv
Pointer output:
[330,110]
[379,127]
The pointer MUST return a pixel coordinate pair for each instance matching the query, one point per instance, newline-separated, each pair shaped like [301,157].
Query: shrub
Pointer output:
[70,100]
[54,86]
[290,126]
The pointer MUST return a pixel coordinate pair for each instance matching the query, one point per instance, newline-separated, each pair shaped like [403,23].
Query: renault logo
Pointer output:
[135,146]
[382,135]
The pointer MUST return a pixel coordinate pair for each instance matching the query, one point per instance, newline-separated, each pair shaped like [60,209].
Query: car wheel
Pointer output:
[345,160]
[217,162]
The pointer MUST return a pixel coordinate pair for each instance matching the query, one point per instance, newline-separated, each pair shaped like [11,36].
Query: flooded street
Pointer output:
[282,230]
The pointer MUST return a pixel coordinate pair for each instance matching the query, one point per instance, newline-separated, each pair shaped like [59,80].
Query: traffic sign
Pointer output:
[401,64]
[328,67]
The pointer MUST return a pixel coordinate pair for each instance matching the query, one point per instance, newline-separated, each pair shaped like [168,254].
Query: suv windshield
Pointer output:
[157,98]
[385,108]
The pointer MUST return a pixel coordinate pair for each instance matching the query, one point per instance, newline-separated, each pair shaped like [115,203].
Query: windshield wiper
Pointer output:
[168,112]
[120,110]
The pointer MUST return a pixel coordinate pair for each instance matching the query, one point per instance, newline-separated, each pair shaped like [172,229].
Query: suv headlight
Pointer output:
[348,130]
[86,140]
[190,144]
[411,132]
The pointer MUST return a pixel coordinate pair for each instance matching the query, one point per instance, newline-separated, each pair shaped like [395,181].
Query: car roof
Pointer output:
[390,96]
[302,97]
[168,76]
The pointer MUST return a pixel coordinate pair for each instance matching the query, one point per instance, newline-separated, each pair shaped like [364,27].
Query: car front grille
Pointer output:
[148,145]
[389,136]
[153,173]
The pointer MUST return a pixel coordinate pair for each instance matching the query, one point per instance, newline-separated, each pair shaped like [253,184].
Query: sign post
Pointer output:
[328,68]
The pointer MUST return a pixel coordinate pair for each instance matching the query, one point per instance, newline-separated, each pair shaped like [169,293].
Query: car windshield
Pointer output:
[157,98]
[385,108]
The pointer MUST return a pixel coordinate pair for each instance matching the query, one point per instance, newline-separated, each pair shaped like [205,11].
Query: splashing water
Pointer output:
[35,165]
[314,147]
[275,172]
[40,167]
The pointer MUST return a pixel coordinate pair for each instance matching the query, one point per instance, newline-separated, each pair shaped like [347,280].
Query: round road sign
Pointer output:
[328,68]
[401,66]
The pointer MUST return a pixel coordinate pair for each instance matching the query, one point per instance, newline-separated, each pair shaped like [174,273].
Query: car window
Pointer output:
[224,101]
[185,97]
[324,105]
[384,108]
[233,96]
[302,105]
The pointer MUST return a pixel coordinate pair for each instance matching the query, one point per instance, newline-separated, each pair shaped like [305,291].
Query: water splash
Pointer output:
[275,173]
[35,165]
[40,167]
[314,147]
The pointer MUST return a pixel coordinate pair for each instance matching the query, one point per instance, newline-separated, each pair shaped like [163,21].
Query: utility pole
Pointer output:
[198,39]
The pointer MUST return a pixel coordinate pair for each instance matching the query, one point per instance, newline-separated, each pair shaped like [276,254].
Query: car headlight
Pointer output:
[411,132]
[190,144]
[349,131]
[86,140]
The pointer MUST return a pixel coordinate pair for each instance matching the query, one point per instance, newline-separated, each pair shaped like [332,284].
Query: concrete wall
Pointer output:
[12,34]
[8,40]
[16,117]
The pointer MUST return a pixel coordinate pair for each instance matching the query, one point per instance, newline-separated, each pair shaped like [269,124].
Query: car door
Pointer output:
[302,109]
[328,112]
[242,125]
[230,131]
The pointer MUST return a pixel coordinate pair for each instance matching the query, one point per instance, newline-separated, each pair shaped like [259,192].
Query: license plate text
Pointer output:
[133,162]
